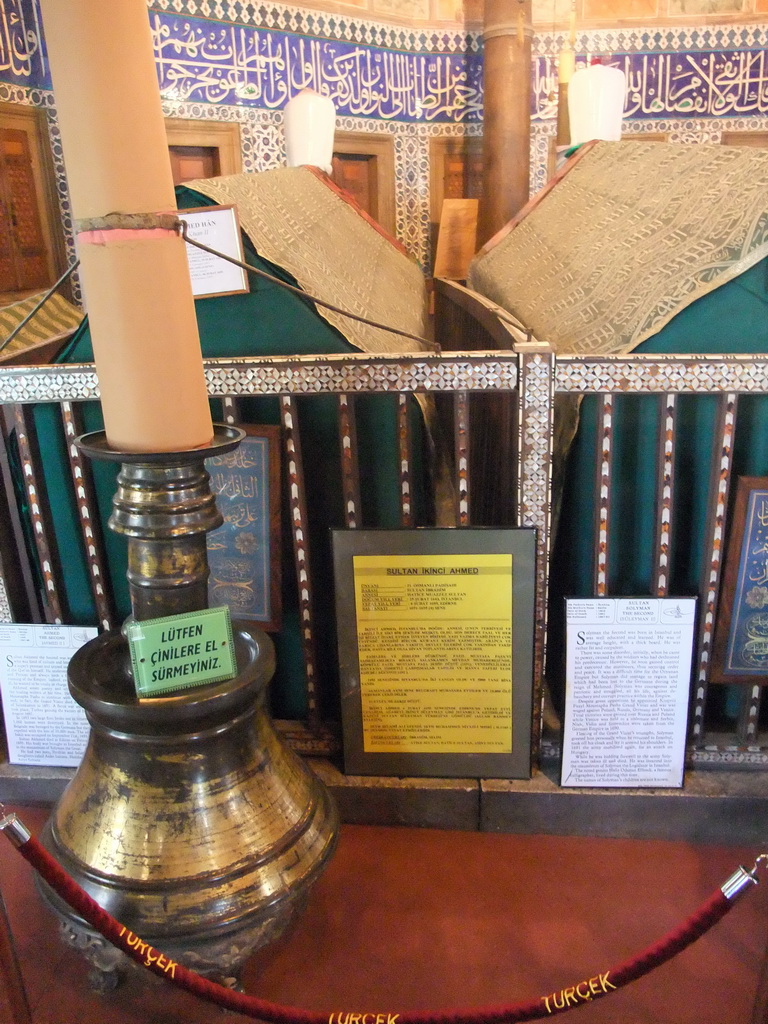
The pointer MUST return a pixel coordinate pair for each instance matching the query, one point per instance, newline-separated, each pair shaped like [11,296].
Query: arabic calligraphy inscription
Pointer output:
[202,60]
[244,553]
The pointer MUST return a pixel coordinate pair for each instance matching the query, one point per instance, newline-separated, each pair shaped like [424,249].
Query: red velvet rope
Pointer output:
[545,1006]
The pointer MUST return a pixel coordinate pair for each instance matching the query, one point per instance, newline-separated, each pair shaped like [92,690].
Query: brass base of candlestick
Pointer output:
[188,819]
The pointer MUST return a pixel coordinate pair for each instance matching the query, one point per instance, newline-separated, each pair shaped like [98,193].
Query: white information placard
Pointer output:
[628,672]
[43,724]
[218,228]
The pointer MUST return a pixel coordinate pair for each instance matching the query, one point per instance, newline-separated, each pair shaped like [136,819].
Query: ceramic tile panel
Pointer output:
[209,62]
[22,54]
[412,194]
[542,134]
[717,72]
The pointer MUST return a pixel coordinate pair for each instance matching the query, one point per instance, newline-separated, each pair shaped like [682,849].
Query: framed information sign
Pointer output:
[43,724]
[435,630]
[740,651]
[627,684]
[244,553]
[217,227]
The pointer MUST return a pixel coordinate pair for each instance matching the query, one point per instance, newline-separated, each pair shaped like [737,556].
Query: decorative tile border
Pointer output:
[645,39]
[323,25]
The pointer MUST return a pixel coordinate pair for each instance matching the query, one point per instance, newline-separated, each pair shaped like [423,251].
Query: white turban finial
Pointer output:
[310,122]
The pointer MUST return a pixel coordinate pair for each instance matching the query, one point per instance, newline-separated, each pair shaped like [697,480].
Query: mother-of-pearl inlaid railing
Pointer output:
[525,371]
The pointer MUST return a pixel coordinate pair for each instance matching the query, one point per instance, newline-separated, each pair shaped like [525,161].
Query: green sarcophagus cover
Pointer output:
[298,228]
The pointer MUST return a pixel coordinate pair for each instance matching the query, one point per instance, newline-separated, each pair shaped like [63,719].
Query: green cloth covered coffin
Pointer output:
[268,320]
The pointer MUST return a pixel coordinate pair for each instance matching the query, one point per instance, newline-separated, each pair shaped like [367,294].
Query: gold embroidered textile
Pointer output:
[295,221]
[633,234]
[54,320]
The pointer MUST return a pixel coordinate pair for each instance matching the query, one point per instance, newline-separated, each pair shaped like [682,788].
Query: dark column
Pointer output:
[507,113]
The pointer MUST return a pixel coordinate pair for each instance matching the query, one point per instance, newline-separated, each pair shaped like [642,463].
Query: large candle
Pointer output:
[136,282]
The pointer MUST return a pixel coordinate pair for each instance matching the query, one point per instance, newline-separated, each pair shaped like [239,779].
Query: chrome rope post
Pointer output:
[12,827]
[741,879]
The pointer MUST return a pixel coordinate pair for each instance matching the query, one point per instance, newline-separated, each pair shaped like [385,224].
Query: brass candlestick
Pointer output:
[188,819]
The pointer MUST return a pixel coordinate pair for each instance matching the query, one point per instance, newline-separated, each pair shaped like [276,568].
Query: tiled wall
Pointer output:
[410,68]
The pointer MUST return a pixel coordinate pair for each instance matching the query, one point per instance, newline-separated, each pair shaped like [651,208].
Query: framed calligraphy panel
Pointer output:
[740,650]
[244,553]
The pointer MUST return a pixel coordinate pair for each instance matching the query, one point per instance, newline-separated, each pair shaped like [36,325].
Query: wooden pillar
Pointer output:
[507,113]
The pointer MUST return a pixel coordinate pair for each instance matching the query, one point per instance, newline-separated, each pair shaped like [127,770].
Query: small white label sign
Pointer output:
[216,227]
[628,670]
[43,724]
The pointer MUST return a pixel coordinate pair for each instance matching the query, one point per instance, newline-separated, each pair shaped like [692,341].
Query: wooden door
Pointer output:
[356,173]
[463,170]
[364,166]
[23,255]
[189,162]
[203,149]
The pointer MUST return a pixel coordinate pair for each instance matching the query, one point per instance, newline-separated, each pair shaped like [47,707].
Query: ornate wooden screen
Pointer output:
[520,449]
[465,319]
[350,378]
[664,380]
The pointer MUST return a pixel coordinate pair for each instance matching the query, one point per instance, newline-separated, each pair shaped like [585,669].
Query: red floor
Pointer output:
[419,919]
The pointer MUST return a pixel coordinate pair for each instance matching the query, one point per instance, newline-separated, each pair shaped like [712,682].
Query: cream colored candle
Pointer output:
[136,282]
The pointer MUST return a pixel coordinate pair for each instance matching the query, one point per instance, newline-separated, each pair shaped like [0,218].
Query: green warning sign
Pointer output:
[180,651]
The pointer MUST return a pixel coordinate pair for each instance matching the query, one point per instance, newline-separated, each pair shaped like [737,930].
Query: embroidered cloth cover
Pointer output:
[57,319]
[298,221]
[632,234]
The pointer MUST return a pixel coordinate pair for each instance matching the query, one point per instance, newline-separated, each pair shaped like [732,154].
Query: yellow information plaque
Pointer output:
[435,630]
[434,637]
